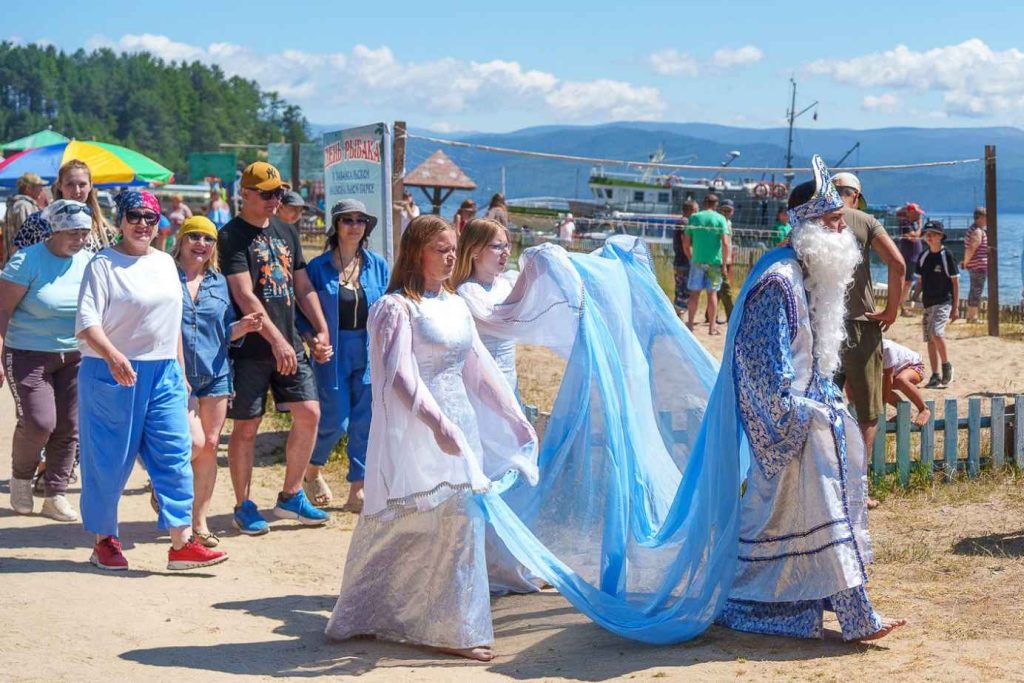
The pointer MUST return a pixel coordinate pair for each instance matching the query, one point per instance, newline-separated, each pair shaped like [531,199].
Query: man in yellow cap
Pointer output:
[261,256]
[19,207]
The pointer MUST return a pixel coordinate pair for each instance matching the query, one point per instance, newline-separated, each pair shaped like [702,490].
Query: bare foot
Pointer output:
[690,326]
[481,654]
[922,417]
[888,626]
[354,503]
[872,503]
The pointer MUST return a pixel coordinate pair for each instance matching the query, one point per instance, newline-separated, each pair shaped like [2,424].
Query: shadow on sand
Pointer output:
[994,545]
[572,648]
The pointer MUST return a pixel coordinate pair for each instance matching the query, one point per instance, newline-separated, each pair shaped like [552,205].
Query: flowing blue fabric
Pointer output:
[635,519]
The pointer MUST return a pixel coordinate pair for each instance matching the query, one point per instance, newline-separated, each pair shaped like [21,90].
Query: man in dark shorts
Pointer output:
[261,256]
[862,355]
[680,263]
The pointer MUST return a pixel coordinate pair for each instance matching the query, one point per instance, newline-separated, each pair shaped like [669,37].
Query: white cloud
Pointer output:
[618,99]
[673,63]
[323,83]
[974,79]
[727,58]
[886,103]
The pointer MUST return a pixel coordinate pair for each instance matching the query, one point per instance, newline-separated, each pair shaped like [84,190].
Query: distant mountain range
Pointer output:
[942,189]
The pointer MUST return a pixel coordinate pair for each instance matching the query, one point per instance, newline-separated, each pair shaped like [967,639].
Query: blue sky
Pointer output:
[482,66]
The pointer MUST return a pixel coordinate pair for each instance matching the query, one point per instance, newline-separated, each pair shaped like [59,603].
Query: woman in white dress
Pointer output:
[481,280]
[445,427]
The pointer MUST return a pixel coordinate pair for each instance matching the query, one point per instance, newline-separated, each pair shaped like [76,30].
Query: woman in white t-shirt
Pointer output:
[902,371]
[131,387]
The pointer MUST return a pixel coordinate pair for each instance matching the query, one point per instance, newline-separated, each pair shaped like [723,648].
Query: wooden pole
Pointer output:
[993,240]
[295,166]
[397,181]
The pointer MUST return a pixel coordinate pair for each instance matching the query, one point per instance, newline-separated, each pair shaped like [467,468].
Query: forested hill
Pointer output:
[160,109]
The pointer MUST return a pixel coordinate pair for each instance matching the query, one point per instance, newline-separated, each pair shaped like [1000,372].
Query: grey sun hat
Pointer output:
[293,198]
[352,206]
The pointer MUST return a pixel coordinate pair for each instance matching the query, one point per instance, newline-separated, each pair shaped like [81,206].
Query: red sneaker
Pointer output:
[106,554]
[192,556]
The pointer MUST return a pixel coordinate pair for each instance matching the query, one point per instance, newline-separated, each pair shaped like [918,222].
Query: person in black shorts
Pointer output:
[261,256]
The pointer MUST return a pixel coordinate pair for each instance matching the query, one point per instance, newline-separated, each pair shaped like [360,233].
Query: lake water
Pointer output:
[1011,244]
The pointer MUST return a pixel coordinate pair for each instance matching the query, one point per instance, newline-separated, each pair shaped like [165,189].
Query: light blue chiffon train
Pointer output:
[635,518]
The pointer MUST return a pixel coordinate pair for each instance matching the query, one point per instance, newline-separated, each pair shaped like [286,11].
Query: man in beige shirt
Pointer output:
[862,355]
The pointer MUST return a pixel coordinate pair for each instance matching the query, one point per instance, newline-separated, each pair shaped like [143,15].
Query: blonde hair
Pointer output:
[210,264]
[407,275]
[100,230]
[477,234]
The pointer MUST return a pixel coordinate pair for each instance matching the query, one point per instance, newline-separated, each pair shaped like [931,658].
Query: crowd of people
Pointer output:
[167,346]
[416,370]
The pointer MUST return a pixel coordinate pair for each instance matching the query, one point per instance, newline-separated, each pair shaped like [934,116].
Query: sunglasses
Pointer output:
[268,195]
[499,247]
[198,237]
[72,209]
[135,217]
[353,221]
[848,191]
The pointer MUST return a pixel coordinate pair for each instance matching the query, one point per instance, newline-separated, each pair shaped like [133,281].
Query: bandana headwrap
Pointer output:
[134,199]
[67,214]
[825,199]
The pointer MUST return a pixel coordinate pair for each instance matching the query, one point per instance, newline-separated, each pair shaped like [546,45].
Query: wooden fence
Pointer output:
[1004,426]
[1005,430]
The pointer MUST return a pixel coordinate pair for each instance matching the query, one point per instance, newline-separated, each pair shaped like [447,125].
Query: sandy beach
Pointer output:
[949,559]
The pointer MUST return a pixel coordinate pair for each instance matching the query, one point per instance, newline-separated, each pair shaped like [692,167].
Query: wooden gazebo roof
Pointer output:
[439,171]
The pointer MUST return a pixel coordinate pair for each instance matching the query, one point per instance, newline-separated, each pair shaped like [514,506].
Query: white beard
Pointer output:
[829,259]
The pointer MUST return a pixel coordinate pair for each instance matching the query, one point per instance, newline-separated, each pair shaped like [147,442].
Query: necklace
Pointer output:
[349,276]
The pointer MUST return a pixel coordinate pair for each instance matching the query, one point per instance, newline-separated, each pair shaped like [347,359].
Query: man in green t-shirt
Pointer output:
[707,245]
[782,228]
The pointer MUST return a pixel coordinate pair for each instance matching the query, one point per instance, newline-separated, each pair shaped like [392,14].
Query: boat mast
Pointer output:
[792,115]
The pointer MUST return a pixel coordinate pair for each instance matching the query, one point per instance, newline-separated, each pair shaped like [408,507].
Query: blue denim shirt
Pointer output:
[206,326]
[373,278]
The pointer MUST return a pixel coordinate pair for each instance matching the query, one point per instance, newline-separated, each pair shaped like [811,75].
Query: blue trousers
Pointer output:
[116,424]
[346,409]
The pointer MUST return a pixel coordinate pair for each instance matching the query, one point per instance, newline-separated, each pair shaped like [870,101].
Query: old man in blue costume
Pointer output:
[803,533]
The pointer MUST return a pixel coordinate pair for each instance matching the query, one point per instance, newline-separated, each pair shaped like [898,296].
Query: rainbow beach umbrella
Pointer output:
[110,165]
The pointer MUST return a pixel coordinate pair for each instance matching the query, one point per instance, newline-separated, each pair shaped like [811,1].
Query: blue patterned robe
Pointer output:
[803,537]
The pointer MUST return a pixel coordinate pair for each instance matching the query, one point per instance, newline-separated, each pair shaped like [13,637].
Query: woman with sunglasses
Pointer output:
[38,297]
[132,379]
[348,278]
[74,182]
[208,326]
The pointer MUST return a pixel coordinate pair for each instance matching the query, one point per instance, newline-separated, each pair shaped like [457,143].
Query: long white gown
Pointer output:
[416,569]
[507,574]
[481,300]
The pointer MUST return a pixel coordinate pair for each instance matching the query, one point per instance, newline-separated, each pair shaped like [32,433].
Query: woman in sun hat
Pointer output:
[348,278]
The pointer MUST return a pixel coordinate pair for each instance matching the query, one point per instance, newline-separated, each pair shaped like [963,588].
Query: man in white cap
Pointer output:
[862,370]
[803,542]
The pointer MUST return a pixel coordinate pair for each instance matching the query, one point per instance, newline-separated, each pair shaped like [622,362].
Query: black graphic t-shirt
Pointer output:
[271,256]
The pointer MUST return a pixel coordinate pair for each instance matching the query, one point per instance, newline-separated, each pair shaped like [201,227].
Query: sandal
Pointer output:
[318,491]
[206,538]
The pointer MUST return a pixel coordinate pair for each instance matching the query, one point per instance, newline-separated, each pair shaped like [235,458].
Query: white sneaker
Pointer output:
[57,507]
[21,496]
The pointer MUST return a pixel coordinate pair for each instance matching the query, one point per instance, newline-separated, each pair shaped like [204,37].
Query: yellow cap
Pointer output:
[198,224]
[260,175]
